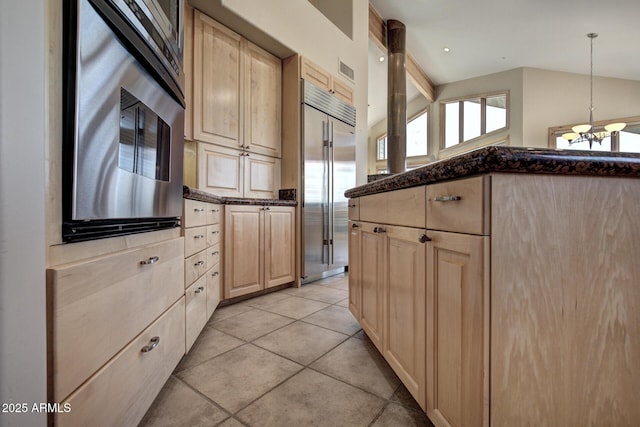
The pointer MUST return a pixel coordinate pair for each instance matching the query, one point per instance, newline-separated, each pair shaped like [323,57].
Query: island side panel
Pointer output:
[565,278]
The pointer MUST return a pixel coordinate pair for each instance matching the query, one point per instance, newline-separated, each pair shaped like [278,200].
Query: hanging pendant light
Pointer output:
[582,133]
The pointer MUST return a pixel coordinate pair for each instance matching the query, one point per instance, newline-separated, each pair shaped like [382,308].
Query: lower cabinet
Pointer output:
[116,329]
[260,248]
[387,296]
[404,307]
[196,310]
[457,329]
[120,393]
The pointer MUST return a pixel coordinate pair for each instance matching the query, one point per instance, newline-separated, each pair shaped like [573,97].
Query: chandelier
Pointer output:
[582,133]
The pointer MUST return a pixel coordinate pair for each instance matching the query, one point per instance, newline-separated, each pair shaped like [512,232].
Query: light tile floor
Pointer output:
[296,357]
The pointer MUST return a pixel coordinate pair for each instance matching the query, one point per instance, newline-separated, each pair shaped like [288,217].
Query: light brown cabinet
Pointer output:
[404,307]
[372,281]
[105,304]
[229,172]
[355,288]
[319,77]
[236,90]
[202,268]
[457,329]
[260,247]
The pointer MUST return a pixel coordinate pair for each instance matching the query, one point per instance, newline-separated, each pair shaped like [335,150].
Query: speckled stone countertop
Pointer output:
[509,160]
[203,196]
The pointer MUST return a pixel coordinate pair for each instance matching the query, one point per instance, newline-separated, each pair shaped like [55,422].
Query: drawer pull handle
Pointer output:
[215,232]
[215,253]
[151,260]
[154,343]
[200,289]
[199,236]
[379,230]
[446,198]
[215,210]
[199,263]
[214,274]
[355,226]
[424,238]
[198,210]
[352,206]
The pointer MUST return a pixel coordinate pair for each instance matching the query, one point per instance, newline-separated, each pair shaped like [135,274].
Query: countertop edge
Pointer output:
[203,196]
[508,160]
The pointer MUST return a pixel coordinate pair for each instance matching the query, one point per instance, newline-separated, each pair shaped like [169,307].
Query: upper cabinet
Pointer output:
[236,90]
[316,75]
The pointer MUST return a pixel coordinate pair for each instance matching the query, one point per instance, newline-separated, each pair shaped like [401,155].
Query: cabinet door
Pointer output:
[217,64]
[342,91]
[457,329]
[220,170]
[404,314]
[355,289]
[372,275]
[280,245]
[315,74]
[244,248]
[261,176]
[196,310]
[263,94]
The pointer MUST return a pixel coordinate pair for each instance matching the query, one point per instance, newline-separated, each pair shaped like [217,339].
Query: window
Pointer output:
[627,140]
[470,117]
[417,138]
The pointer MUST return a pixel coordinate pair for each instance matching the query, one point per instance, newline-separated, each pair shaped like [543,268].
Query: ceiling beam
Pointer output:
[378,33]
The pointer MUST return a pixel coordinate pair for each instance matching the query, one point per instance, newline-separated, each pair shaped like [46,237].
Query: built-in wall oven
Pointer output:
[124,117]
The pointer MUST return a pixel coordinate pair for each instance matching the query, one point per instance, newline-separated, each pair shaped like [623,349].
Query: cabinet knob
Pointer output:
[200,289]
[215,253]
[379,230]
[153,344]
[199,236]
[198,264]
[355,226]
[151,260]
[446,198]
[214,274]
[424,238]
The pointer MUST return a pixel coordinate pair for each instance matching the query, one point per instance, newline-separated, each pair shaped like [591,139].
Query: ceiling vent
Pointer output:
[346,71]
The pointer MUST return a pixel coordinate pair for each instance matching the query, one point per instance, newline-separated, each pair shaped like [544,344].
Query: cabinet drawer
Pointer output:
[194,267]
[459,206]
[213,255]
[214,213]
[401,207]
[99,306]
[214,293]
[194,240]
[354,209]
[196,310]
[194,213]
[213,234]
[120,393]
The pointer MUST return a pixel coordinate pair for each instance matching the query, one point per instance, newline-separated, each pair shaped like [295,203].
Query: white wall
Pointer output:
[301,27]
[22,194]
[553,98]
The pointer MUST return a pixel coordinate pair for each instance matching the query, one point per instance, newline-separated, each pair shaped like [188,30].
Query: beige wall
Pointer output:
[553,98]
[305,30]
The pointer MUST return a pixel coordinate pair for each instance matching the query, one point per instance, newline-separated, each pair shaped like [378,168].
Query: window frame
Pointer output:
[413,161]
[483,118]
[557,131]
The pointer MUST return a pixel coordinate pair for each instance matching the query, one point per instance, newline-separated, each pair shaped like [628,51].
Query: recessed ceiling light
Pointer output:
[446,49]
[381,59]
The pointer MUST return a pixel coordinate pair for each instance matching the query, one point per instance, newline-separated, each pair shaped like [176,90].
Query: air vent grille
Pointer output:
[346,71]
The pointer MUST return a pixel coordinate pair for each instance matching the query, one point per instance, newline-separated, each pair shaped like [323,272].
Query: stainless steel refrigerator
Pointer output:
[329,169]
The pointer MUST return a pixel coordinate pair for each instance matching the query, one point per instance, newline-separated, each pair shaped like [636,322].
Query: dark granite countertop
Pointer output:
[203,196]
[509,160]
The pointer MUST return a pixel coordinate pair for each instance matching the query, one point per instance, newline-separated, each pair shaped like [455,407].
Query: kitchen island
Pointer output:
[503,286]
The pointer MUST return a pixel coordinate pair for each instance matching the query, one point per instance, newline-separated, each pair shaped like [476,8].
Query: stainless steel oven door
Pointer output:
[128,142]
